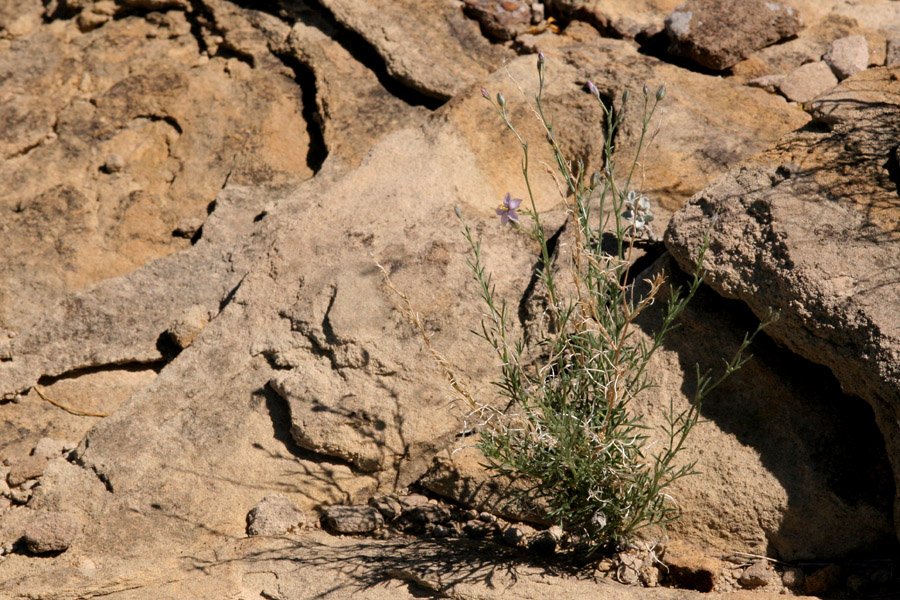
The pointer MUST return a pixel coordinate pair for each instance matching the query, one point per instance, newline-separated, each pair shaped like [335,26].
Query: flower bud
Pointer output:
[457,211]
[593,88]
[596,179]
[501,99]
[484,93]
[661,93]
[646,92]
[540,63]
[625,95]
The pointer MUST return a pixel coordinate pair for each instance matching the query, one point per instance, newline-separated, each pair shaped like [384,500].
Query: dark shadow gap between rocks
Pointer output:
[822,435]
[306,81]
[130,367]
[312,13]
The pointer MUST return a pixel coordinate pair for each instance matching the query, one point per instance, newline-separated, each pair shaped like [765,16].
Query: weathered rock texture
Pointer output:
[826,22]
[180,123]
[719,34]
[810,228]
[412,37]
[622,19]
[267,355]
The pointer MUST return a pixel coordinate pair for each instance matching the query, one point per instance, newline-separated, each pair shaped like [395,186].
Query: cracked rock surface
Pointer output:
[810,228]
[294,145]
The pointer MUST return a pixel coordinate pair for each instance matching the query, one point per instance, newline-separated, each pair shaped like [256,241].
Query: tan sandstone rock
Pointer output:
[810,228]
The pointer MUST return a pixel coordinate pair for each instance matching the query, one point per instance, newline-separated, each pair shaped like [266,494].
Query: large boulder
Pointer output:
[809,228]
[719,34]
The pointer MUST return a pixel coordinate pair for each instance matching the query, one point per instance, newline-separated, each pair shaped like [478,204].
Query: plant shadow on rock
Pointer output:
[821,445]
[430,567]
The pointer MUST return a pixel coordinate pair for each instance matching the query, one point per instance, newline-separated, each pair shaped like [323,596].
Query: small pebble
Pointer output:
[20,496]
[546,542]
[275,515]
[469,515]
[114,163]
[29,467]
[51,532]
[477,530]
[756,575]
[441,531]
[513,536]
[49,448]
[352,519]
[792,578]
[389,506]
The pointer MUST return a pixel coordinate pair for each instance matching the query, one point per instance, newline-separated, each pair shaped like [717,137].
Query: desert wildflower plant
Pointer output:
[570,431]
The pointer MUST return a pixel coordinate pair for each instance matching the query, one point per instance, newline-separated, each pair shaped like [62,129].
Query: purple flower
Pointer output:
[507,210]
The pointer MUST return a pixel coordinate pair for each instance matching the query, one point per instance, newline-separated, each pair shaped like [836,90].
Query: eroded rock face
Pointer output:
[411,37]
[810,229]
[719,34]
[284,363]
[177,124]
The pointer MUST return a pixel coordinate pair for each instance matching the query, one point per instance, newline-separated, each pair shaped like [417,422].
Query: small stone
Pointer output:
[49,448]
[5,504]
[477,530]
[412,500]
[441,531]
[847,56]
[468,515]
[822,580]
[390,507]
[51,532]
[29,485]
[690,567]
[352,519]
[4,488]
[114,163]
[188,228]
[29,467]
[756,575]
[792,578]
[545,542]
[275,515]
[629,568]
[769,83]
[513,537]
[808,81]
[20,496]
[650,574]
[185,329]
[893,53]
[88,20]
[427,513]
[486,517]
[500,20]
